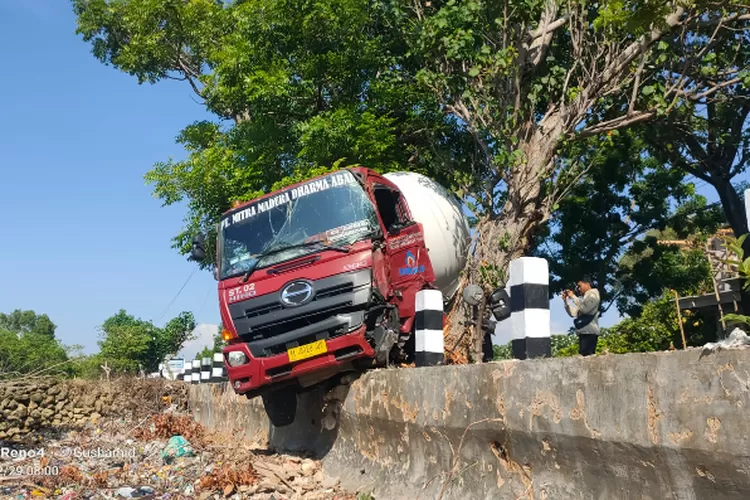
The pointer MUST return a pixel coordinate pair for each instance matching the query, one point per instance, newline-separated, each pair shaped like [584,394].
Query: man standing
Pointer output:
[585,313]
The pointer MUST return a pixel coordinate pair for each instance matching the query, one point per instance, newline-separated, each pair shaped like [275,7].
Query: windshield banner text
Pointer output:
[288,196]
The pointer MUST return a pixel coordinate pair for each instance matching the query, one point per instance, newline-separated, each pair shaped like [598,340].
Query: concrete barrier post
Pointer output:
[196,378]
[217,369]
[529,302]
[188,374]
[428,328]
[205,370]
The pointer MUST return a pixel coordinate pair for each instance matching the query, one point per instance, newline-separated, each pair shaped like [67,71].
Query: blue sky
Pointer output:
[81,235]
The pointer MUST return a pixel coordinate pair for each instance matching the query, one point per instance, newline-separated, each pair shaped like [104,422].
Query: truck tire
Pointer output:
[280,406]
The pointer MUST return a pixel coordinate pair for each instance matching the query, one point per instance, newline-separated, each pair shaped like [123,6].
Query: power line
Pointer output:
[205,301]
[166,309]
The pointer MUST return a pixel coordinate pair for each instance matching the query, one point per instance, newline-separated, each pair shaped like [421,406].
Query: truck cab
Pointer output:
[317,279]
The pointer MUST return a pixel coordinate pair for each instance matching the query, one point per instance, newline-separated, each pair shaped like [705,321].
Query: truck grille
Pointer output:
[344,288]
[337,308]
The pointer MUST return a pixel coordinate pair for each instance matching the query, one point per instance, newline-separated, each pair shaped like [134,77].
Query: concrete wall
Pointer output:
[660,425]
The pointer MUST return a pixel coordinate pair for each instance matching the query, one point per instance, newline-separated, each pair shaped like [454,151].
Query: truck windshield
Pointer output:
[332,210]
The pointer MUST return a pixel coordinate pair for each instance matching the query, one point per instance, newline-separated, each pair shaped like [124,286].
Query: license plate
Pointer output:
[307,350]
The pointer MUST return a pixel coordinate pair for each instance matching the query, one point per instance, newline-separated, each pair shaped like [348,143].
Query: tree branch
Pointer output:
[189,77]
[556,195]
[636,85]
[542,36]
[617,123]
[712,90]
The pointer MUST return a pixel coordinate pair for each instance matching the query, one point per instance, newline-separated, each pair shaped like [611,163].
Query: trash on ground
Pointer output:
[177,447]
[736,339]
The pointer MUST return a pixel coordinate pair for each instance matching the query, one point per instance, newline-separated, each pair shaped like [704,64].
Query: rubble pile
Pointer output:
[139,442]
[117,460]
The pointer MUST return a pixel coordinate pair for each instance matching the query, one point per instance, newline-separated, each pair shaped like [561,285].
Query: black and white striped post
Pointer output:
[529,303]
[428,328]
[205,370]
[218,370]
[196,378]
[188,373]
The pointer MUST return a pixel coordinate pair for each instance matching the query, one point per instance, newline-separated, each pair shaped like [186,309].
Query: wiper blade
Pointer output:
[320,244]
[249,273]
[336,248]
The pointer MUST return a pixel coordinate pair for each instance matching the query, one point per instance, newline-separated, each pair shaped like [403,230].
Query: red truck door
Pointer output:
[405,256]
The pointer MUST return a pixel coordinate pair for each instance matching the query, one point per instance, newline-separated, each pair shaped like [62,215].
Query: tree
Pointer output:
[218,345]
[657,328]
[484,94]
[28,345]
[27,322]
[651,266]
[128,344]
[707,135]
[293,86]
[626,196]
[527,77]
[173,336]
[710,140]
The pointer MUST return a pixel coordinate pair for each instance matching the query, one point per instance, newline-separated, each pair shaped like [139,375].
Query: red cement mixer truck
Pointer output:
[320,278]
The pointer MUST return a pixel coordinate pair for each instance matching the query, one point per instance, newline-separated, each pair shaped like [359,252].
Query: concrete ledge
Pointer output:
[657,425]
[217,407]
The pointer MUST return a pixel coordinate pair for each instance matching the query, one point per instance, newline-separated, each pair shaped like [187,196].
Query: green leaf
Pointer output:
[739,318]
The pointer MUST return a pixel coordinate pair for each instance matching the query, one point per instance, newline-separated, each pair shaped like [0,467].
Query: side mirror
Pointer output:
[473,294]
[499,302]
[377,232]
[198,252]
[498,296]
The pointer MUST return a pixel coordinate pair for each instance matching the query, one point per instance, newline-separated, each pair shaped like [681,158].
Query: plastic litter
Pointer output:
[177,447]
[736,339]
[140,492]
[126,492]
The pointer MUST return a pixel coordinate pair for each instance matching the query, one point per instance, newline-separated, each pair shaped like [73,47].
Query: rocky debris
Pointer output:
[140,458]
[31,407]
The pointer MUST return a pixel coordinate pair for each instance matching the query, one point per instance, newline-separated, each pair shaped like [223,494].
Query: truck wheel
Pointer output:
[281,406]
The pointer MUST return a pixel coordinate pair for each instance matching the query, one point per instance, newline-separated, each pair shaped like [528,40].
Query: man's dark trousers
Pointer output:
[587,344]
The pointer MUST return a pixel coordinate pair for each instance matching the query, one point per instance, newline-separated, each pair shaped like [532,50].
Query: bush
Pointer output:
[562,345]
[87,367]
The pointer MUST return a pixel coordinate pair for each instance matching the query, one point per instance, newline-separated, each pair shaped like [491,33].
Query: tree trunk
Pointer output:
[734,211]
[505,236]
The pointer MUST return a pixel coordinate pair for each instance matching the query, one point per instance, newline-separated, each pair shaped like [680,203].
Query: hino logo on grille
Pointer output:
[296,293]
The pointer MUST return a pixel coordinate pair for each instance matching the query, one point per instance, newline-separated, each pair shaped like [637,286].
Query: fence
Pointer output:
[199,371]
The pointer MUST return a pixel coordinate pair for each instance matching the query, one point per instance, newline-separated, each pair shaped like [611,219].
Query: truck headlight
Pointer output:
[236,358]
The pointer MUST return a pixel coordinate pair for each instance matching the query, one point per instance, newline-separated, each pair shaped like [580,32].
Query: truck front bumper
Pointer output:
[272,370]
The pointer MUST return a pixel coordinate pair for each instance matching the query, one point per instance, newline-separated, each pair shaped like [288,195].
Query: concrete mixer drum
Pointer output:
[446,228]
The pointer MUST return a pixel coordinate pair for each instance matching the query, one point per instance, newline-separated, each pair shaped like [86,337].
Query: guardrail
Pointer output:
[199,371]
